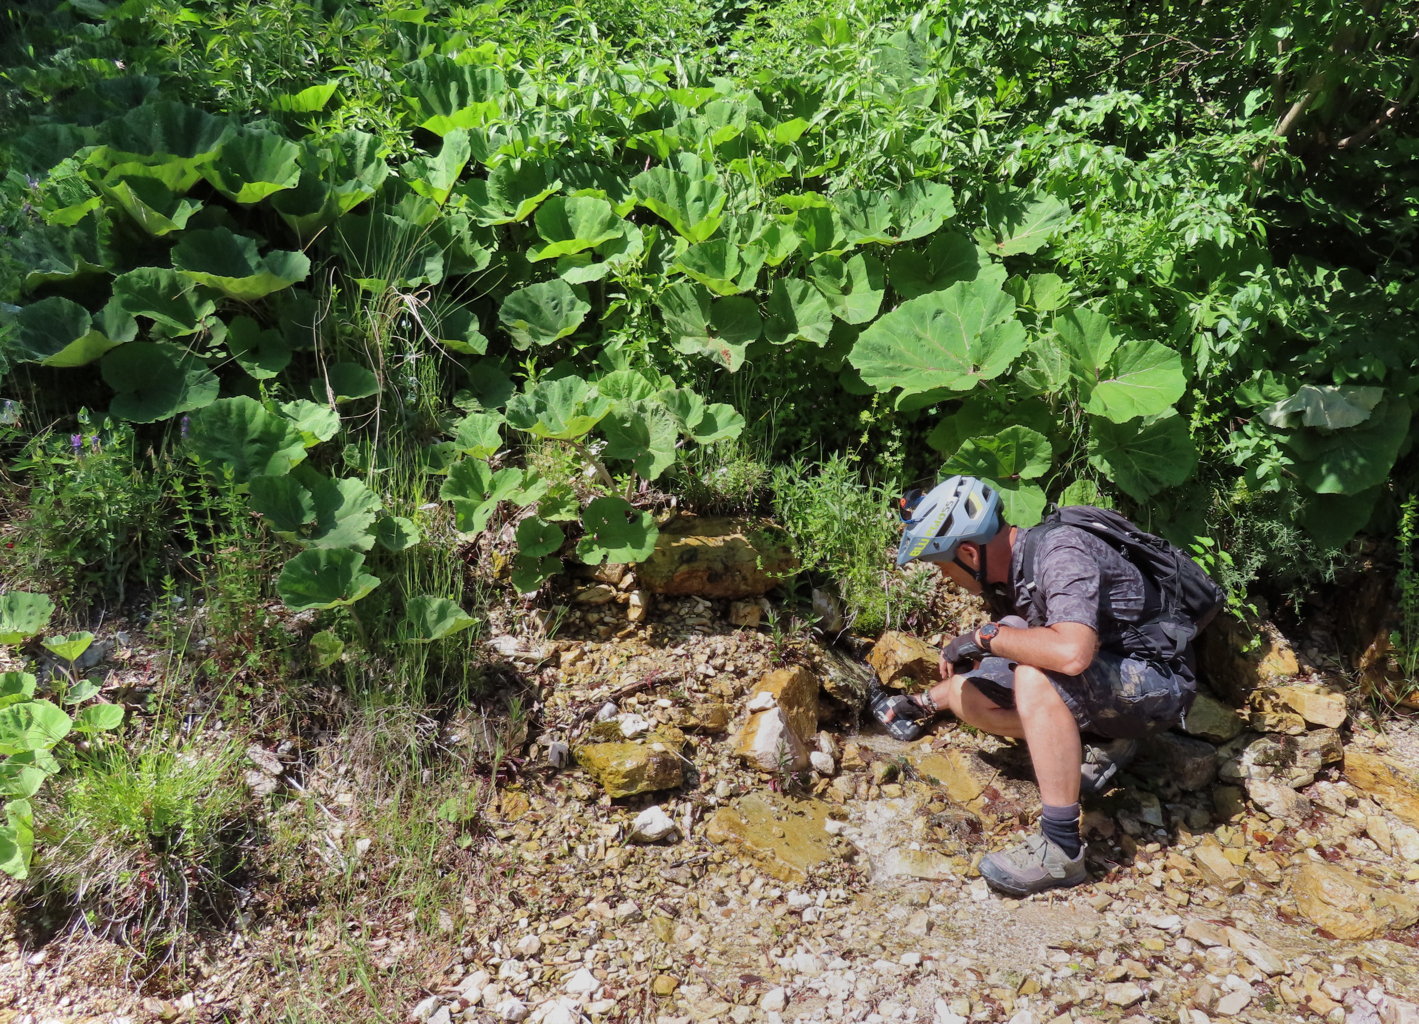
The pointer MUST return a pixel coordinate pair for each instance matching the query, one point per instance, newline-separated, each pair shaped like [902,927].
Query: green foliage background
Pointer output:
[1159,256]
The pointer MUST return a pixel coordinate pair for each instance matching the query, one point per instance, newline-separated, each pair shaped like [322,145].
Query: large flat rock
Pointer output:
[785,838]
[718,556]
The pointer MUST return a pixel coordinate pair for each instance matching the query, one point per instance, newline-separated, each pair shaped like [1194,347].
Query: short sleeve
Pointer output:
[1069,578]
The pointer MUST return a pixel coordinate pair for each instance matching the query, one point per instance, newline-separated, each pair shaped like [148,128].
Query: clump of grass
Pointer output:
[147,843]
[723,478]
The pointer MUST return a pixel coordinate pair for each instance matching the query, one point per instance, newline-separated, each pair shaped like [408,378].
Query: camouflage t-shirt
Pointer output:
[1082,579]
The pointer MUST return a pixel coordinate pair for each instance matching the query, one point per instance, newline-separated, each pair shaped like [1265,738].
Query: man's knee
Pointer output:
[1033,688]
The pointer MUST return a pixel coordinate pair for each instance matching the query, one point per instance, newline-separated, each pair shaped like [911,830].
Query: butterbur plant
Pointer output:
[30,730]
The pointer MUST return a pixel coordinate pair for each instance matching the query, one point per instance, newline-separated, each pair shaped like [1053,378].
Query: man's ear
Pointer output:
[969,554]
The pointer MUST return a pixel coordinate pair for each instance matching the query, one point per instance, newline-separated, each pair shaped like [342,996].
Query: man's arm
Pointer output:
[1065,647]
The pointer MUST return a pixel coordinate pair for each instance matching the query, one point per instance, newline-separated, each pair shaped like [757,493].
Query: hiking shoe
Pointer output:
[1102,762]
[1034,866]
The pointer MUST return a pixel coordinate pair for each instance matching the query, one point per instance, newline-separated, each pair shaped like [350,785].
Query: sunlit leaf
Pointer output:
[396,533]
[428,618]
[691,206]
[797,311]
[539,314]
[562,409]
[1325,407]
[610,536]
[22,615]
[949,339]
[262,354]
[444,95]
[230,264]
[573,225]
[254,165]
[1018,227]
[238,435]
[1007,461]
[324,578]
[165,297]
[1142,457]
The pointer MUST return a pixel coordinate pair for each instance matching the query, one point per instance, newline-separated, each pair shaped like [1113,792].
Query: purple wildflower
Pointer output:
[184,426]
[76,441]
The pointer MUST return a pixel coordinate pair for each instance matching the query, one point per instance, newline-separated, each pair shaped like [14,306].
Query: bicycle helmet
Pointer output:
[960,509]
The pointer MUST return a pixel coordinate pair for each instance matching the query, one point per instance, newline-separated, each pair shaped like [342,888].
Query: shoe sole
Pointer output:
[1008,886]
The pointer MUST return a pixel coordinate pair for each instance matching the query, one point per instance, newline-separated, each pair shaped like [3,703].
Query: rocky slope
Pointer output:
[707,831]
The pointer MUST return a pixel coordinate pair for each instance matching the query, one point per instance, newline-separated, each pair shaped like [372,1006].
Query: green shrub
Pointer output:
[98,512]
[845,533]
[145,842]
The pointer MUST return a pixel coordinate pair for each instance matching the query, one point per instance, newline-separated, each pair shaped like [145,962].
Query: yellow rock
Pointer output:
[904,661]
[795,690]
[711,716]
[1347,905]
[1315,704]
[718,556]
[1237,657]
[1386,781]
[953,770]
[1216,868]
[665,984]
[748,829]
[624,769]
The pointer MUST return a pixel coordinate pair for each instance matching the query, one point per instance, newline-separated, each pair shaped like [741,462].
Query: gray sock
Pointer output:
[1061,827]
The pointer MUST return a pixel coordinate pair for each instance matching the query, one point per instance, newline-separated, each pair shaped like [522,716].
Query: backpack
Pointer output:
[1180,600]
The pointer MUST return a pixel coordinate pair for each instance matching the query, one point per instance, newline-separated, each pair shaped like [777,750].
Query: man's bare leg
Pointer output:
[1052,735]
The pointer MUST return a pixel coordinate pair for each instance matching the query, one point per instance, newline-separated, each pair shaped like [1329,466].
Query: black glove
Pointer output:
[913,710]
[963,649]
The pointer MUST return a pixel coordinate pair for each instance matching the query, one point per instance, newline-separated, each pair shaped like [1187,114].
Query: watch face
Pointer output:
[990,629]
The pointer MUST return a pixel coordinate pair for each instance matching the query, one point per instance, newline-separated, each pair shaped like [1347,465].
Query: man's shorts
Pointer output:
[1116,697]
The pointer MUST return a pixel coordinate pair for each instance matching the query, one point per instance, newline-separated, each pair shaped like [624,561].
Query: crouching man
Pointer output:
[1090,651]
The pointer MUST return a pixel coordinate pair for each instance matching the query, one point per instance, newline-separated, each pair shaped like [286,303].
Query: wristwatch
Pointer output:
[987,633]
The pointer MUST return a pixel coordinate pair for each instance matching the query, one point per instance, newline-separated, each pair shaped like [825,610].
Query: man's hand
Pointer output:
[913,709]
[963,648]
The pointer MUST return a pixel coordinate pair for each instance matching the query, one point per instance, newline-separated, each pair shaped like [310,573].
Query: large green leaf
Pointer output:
[338,173]
[433,177]
[284,501]
[475,490]
[574,225]
[21,776]
[50,254]
[562,409]
[263,354]
[692,206]
[1355,459]
[154,207]
[17,839]
[22,615]
[1088,339]
[1143,378]
[853,288]
[721,266]
[16,686]
[316,422]
[344,382]
[309,100]
[1324,407]
[68,648]
[238,435]
[982,414]
[253,166]
[949,339]
[704,423]
[798,311]
[444,96]
[1142,457]
[890,217]
[541,313]
[324,578]
[428,618]
[949,258]
[165,297]
[156,380]
[345,511]
[98,718]
[537,538]
[156,133]
[396,533]
[58,332]
[32,725]
[512,190]
[230,264]
[1007,461]
[644,434]
[720,329]
[610,536]
[478,434]
[1017,227]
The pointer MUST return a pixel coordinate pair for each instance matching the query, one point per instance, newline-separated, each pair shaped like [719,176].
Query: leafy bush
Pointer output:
[143,842]
[844,531]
